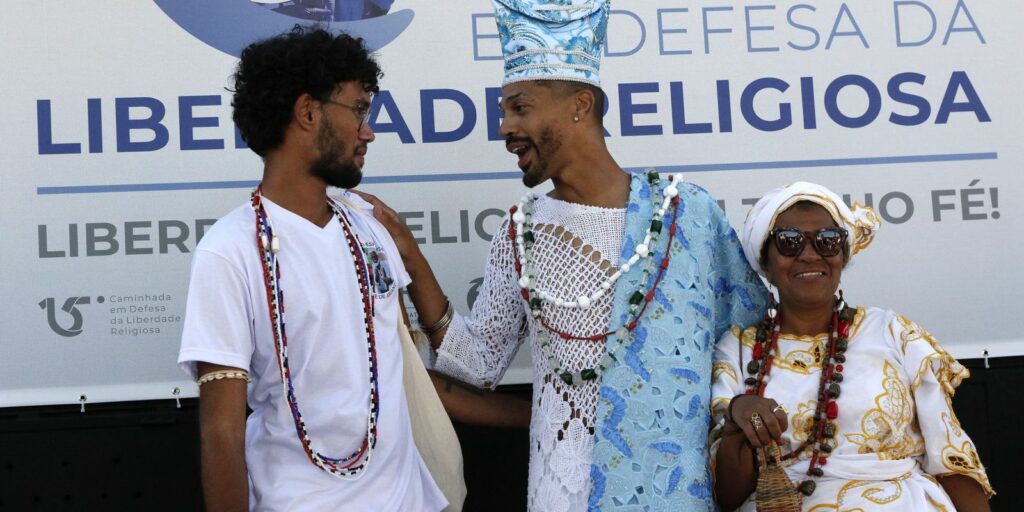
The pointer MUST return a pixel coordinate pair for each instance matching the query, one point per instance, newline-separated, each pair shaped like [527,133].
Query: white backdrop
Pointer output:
[118,151]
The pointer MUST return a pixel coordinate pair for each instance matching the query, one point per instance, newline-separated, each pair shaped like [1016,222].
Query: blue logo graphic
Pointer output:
[230,25]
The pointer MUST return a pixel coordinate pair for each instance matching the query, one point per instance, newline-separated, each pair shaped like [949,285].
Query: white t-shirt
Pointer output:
[227,322]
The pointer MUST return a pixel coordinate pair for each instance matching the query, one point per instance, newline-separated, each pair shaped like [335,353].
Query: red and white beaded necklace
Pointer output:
[352,465]
[521,234]
[825,427]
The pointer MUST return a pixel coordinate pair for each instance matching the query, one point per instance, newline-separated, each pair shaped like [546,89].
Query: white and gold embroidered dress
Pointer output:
[897,430]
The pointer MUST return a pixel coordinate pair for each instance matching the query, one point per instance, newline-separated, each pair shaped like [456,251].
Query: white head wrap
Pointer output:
[860,221]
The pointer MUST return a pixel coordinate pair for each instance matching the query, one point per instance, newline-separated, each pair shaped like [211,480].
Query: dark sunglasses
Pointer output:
[791,241]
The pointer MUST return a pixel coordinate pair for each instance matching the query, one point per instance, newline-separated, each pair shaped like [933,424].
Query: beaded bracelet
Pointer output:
[224,374]
[443,322]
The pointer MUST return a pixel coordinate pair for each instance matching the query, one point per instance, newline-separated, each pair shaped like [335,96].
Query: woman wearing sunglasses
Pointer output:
[856,398]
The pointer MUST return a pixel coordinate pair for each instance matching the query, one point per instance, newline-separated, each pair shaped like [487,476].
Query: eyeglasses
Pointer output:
[362,112]
[826,241]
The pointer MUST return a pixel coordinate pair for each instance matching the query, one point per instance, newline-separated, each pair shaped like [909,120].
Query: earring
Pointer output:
[773,307]
[576,119]
[840,301]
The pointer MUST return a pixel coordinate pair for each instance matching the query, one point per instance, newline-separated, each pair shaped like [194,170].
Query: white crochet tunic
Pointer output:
[577,247]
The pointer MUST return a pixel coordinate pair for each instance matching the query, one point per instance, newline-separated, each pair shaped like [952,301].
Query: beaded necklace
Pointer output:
[350,466]
[825,427]
[523,239]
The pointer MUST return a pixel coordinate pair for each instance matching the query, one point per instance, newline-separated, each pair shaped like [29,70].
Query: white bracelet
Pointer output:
[224,374]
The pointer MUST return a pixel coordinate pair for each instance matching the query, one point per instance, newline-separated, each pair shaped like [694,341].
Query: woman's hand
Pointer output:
[761,419]
[735,472]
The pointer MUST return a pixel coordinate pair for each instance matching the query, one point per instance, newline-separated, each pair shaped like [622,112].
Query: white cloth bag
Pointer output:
[431,428]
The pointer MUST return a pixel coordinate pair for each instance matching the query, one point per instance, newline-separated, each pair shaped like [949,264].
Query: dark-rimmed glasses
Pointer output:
[362,112]
[827,242]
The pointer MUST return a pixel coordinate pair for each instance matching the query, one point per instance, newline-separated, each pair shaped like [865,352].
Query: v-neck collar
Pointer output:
[296,221]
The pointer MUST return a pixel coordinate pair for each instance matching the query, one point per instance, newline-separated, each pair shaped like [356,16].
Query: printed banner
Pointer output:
[119,153]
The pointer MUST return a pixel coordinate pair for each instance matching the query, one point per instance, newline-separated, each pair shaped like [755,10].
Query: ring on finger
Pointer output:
[780,407]
[755,420]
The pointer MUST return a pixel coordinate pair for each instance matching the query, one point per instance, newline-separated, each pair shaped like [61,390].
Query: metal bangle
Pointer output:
[448,315]
[441,323]
[443,326]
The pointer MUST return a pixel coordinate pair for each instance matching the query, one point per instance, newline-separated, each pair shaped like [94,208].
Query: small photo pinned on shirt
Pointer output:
[382,281]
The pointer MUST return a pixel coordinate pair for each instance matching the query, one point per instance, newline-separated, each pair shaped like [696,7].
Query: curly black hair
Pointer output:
[274,72]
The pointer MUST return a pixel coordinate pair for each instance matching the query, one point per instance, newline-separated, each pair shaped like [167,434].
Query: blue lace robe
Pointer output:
[651,450]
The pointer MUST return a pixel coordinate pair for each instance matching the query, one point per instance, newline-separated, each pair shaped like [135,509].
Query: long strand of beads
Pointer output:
[639,300]
[350,466]
[525,238]
[826,411]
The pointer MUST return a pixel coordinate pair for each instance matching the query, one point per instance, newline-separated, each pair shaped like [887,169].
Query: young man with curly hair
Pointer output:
[296,294]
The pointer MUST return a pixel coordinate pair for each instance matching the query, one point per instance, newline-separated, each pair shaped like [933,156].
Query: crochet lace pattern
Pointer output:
[577,247]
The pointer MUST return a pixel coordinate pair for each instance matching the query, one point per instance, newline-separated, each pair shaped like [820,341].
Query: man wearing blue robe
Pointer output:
[620,282]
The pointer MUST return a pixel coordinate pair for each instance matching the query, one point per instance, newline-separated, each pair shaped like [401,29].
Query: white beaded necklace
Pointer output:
[638,301]
[525,238]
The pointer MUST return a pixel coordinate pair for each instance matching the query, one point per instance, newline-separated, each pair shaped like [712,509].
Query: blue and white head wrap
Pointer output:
[552,39]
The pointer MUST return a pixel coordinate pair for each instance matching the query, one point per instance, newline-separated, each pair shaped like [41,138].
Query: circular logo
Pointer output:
[231,25]
[322,11]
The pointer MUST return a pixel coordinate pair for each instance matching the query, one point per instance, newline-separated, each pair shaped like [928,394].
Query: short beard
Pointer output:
[331,167]
[537,173]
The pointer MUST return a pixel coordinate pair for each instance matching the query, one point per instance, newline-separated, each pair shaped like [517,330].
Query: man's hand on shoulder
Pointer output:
[424,290]
[404,241]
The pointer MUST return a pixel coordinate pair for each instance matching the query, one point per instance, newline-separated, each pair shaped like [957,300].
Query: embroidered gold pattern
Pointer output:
[805,360]
[889,430]
[946,368]
[963,460]
[801,423]
[747,336]
[718,407]
[938,506]
[722,368]
[882,492]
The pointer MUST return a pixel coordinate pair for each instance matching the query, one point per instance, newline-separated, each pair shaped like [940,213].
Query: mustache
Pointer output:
[512,140]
